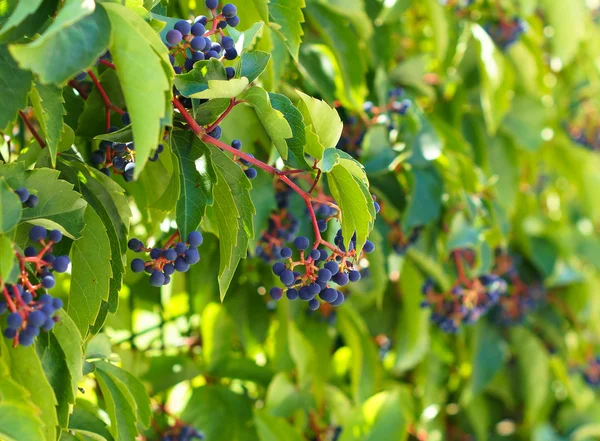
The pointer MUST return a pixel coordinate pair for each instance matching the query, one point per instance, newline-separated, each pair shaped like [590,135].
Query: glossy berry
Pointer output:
[229,10]
[313,304]
[230,71]
[278,268]
[48,281]
[198,29]
[174,37]
[183,26]
[135,245]
[14,320]
[292,294]
[32,201]
[55,236]
[354,276]
[195,239]
[233,21]
[287,277]
[30,252]
[157,278]
[231,54]
[227,43]
[198,43]
[126,119]
[251,173]
[170,254]
[276,293]
[155,253]
[236,144]
[180,248]
[36,318]
[212,4]
[23,194]
[181,265]
[201,19]
[286,253]
[340,299]
[328,295]
[37,233]
[192,256]
[301,243]
[137,266]
[60,264]
[324,275]
[57,304]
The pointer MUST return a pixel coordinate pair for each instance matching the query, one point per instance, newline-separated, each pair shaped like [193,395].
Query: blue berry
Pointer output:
[48,281]
[192,256]
[354,276]
[212,54]
[37,233]
[292,294]
[25,339]
[305,294]
[3,307]
[30,252]
[227,43]
[341,279]
[231,54]
[32,201]
[229,10]
[189,65]
[10,333]
[278,268]
[14,320]
[157,278]
[183,26]
[377,207]
[137,265]
[169,269]
[174,37]
[328,295]
[181,265]
[197,56]
[230,71]
[369,247]
[23,193]
[155,253]
[195,239]
[340,299]
[55,236]
[332,267]
[322,224]
[212,4]
[217,131]
[276,293]
[301,243]
[324,275]
[61,263]
[236,144]
[57,304]
[170,254]
[233,21]
[37,318]
[48,324]
[27,297]
[126,119]
[198,30]
[287,277]
[135,245]
[201,19]
[251,173]
[286,253]
[313,304]
[216,47]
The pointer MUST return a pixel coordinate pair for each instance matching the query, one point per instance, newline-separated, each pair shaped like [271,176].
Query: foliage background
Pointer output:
[485,160]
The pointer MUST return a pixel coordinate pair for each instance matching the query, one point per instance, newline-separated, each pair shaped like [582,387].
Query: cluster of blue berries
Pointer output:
[282,228]
[28,313]
[462,304]
[185,433]
[190,42]
[165,261]
[321,270]
[27,199]
[250,172]
[505,33]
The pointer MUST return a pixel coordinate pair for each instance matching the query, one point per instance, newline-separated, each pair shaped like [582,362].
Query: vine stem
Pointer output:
[201,133]
[460,269]
[34,132]
[107,104]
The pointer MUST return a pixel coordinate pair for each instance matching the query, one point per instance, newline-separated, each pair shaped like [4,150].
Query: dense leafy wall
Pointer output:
[287,220]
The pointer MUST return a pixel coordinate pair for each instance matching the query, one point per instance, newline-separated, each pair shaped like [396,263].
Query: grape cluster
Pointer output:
[183,433]
[28,313]
[250,172]
[505,33]
[462,304]
[165,261]
[401,242]
[190,42]
[323,271]
[27,199]
[591,373]
[390,115]
[282,228]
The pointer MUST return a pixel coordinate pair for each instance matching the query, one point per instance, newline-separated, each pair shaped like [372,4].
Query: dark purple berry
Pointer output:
[183,26]
[174,37]
[37,233]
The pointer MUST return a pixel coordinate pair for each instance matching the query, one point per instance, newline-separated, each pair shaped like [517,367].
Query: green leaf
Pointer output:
[55,368]
[137,51]
[217,328]
[286,20]
[243,40]
[90,124]
[208,80]
[119,406]
[210,404]
[63,40]
[10,207]
[425,203]
[296,121]
[344,42]
[7,258]
[534,368]
[69,338]
[59,206]
[323,123]
[349,187]
[49,110]
[233,211]
[271,428]
[209,112]
[272,120]
[364,370]
[196,180]
[26,18]
[497,80]
[15,84]
[91,274]
[253,64]
[19,423]
[26,370]
[134,386]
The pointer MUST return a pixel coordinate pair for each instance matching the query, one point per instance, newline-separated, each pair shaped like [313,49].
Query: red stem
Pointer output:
[232,104]
[34,132]
[79,89]
[107,104]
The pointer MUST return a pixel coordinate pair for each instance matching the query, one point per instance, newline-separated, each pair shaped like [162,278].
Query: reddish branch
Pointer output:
[77,86]
[107,104]
[34,132]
